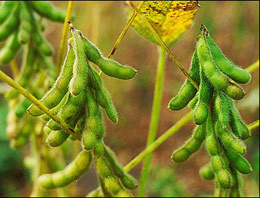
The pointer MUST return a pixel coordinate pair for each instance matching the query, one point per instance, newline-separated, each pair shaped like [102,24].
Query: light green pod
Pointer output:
[211,142]
[60,88]
[206,172]
[79,81]
[193,102]
[47,10]
[71,172]
[80,125]
[10,23]
[127,180]
[88,140]
[5,10]
[187,91]
[238,162]
[25,27]
[123,193]
[239,128]
[112,185]
[205,94]
[69,110]
[21,107]
[225,65]
[99,148]
[235,92]
[102,95]
[235,190]
[229,140]
[109,67]
[219,191]
[103,168]
[8,52]
[57,138]
[191,146]
[221,106]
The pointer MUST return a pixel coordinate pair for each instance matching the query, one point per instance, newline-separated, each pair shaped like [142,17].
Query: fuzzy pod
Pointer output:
[212,144]
[79,81]
[127,180]
[239,128]
[123,193]
[69,111]
[99,148]
[21,107]
[234,91]
[187,90]
[88,140]
[69,174]
[206,172]
[205,95]
[221,106]
[192,104]
[80,125]
[191,146]
[25,27]
[103,168]
[47,10]
[219,190]
[60,88]
[229,140]
[10,23]
[5,10]
[225,65]
[12,46]
[112,185]
[238,161]
[102,95]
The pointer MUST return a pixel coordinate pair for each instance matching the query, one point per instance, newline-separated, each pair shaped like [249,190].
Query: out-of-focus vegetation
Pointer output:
[234,25]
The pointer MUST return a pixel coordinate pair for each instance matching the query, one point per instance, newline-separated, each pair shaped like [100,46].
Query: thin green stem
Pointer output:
[35,101]
[253,125]
[65,33]
[253,67]
[150,27]
[14,68]
[154,118]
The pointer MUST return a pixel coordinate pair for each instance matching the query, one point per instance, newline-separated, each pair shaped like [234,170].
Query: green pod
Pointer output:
[112,185]
[127,180]
[92,52]
[60,88]
[219,191]
[47,10]
[26,71]
[193,102]
[239,128]
[103,168]
[235,92]
[229,140]
[235,190]
[221,106]
[123,193]
[42,44]
[102,95]
[206,172]
[99,148]
[211,142]
[10,23]
[225,65]
[205,94]
[191,146]
[88,140]
[238,161]
[57,138]
[79,81]
[71,172]
[21,107]
[18,142]
[8,52]
[47,130]
[5,10]
[187,91]
[25,27]
[80,125]
[69,110]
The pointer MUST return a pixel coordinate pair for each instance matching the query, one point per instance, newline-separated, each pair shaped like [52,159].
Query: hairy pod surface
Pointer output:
[5,10]
[71,172]
[25,27]
[187,91]
[206,172]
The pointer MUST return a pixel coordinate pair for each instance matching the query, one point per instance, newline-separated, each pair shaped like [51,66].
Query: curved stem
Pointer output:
[65,32]
[253,125]
[35,101]
[154,118]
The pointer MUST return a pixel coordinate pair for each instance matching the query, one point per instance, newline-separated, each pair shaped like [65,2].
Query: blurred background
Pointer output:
[234,25]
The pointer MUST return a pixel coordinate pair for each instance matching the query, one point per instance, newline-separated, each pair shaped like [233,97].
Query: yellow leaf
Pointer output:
[170,19]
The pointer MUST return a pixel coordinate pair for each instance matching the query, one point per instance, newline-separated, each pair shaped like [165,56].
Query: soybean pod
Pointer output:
[206,172]
[8,52]
[219,190]
[102,96]
[235,190]
[191,146]
[109,67]
[221,106]
[25,27]
[21,107]
[71,172]
[60,87]
[10,23]
[187,91]
[225,65]
[5,10]
[239,128]
[79,80]
[127,180]
[205,94]
[47,10]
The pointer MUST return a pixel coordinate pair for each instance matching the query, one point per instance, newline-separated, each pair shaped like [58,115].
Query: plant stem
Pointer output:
[65,32]
[165,47]
[154,118]
[253,67]
[35,101]
[14,68]
[253,125]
